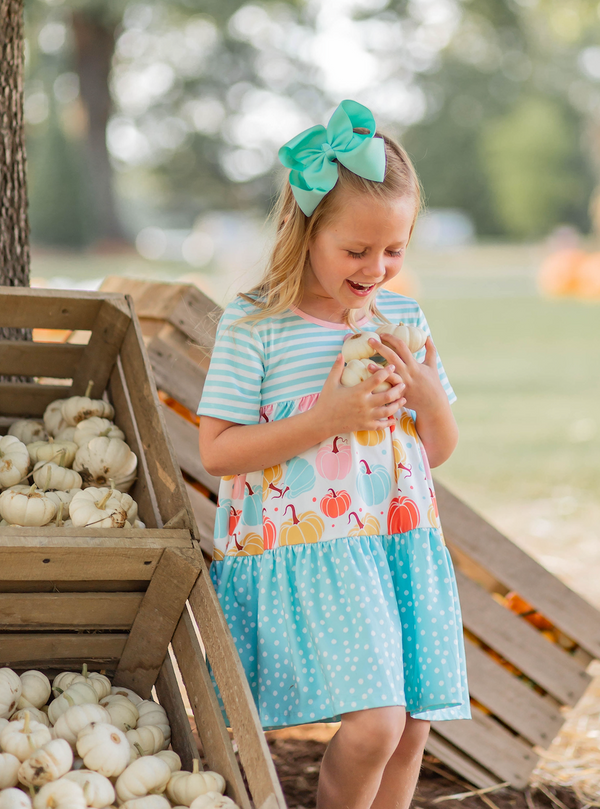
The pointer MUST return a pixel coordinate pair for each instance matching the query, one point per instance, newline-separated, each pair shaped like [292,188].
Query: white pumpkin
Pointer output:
[129,504]
[99,682]
[22,738]
[66,434]
[31,507]
[3,723]
[171,757]
[35,689]
[49,763]
[61,452]
[98,790]
[150,739]
[126,692]
[70,724]
[53,420]
[357,346]
[62,681]
[28,430]
[49,475]
[9,767]
[97,508]
[213,800]
[34,713]
[357,371]
[103,460]
[14,461]
[78,408]
[103,748]
[151,713]
[184,787]
[414,337]
[123,713]
[60,794]
[14,799]
[78,693]
[148,775]
[96,427]
[10,692]
[62,499]
[147,802]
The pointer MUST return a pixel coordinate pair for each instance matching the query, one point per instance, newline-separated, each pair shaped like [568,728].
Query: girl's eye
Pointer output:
[356,255]
[393,253]
[396,253]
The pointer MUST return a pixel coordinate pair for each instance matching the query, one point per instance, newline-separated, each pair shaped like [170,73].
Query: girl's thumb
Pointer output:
[430,353]
[337,369]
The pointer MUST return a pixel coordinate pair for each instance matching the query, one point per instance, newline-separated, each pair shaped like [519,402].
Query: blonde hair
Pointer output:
[283,281]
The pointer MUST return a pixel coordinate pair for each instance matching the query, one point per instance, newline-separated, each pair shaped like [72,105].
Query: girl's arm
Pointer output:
[424,393]
[227,448]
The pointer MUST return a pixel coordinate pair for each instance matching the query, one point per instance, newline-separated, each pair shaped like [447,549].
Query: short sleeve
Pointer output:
[420,356]
[232,390]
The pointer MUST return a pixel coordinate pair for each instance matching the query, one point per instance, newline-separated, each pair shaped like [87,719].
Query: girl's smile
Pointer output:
[360,249]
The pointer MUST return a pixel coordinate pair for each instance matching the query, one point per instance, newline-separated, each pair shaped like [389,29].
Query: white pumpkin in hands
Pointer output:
[104,749]
[70,724]
[28,430]
[357,371]
[14,799]
[49,763]
[97,508]
[10,692]
[98,790]
[9,767]
[106,460]
[14,462]
[60,794]
[414,337]
[145,776]
[78,408]
[96,428]
[357,346]
[22,738]
[35,689]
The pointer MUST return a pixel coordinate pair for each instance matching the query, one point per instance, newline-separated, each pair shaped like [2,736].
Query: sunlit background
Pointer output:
[152,135]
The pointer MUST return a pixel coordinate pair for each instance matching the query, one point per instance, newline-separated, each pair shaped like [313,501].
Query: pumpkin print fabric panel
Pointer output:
[331,568]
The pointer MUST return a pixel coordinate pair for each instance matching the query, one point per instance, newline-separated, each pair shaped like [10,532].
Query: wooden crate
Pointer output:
[135,603]
[519,680]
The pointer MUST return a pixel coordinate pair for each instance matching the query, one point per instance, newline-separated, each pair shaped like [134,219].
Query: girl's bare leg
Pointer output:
[402,770]
[356,757]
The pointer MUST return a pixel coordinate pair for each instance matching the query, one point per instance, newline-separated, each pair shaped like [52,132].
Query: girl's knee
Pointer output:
[415,734]
[376,730]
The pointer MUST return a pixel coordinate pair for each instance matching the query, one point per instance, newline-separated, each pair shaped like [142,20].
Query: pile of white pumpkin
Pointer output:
[93,745]
[81,466]
[359,354]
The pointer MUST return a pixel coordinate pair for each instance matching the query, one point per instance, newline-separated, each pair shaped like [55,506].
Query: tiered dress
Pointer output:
[331,568]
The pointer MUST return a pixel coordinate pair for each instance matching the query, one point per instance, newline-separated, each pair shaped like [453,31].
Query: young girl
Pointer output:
[329,559]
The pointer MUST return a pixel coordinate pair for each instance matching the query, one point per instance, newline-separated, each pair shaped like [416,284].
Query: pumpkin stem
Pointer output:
[59,513]
[69,699]
[90,385]
[31,491]
[84,668]
[138,748]
[250,492]
[333,494]
[48,477]
[196,766]
[294,518]
[61,452]
[31,792]
[335,440]
[100,504]
[353,513]
[366,466]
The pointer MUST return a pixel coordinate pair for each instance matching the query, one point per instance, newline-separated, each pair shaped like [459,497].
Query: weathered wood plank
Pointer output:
[20,357]
[24,307]
[74,586]
[29,399]
[82,564]
[184,437]
[68,610]
[521,644]
[535,718]
[26,649]
[169,696]
[100,353]
[459,762]
[237,697]
[156,620]
[175,373]
[492,746]
[211,728]
[205,513]
[133,538]
[471,534]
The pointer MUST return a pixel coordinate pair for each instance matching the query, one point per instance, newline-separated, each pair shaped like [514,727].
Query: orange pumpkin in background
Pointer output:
[559,273]
[524,609]
[588,278]
[405,283]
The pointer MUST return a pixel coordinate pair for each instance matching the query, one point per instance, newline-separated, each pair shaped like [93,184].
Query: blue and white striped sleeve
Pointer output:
[420,356]
[232,390]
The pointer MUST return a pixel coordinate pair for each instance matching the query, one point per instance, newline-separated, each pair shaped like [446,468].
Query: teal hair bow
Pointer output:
[313,155]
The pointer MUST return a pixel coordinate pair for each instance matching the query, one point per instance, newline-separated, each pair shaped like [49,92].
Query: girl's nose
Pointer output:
[375,268]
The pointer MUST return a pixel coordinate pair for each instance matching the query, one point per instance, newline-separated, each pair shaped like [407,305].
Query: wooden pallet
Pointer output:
[137,604]
[519,680]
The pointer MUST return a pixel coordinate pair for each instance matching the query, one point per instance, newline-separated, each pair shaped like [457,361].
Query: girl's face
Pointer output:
[360,249]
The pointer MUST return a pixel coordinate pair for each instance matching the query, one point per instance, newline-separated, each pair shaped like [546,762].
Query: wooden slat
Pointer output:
[535,718]
[459,762]
[23,307]
[169,696]
[211,728]
[184,437]
[156,620]
[83,564]
[39,359]
[175,373]
[492,746]
[100,353]
[469,532]
[26,649]
[205,513]
[68,610]
[74,586]
[125,418]
[29,399]
[133,539]
[521,644]
[236,694]
[163,467]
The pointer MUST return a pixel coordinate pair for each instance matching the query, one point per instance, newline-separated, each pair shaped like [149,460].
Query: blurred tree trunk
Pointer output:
[95,45]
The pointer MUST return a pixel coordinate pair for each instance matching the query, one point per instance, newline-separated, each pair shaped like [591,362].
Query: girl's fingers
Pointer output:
[377,378]
[430,354]
[388,396]
[392,345]
[337,369]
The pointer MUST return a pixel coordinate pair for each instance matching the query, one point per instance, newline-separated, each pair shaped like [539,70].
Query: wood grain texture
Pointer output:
[68,610]
[460,762]
[82,564]
[169,696]
[205,512]
[39,359]
[24,307]
[237,697]
[24,650]
[157,619]
[471,534]
[175,373]
[216,744]
[119,538]
[100,354]
[29,399]
[184,437]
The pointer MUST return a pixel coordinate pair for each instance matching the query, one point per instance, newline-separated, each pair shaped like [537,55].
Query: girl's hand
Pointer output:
[347,410]
[423,388]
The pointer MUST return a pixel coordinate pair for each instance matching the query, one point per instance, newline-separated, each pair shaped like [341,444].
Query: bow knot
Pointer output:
[312,155]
